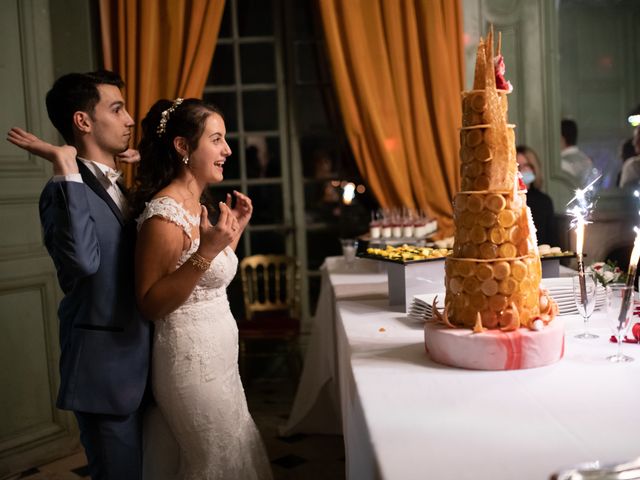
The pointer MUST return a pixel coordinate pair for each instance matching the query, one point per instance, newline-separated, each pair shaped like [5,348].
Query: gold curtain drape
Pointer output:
[161,48]
[398,71]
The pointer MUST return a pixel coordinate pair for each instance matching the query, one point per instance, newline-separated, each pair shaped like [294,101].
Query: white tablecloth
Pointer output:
[406,417]
[316,407]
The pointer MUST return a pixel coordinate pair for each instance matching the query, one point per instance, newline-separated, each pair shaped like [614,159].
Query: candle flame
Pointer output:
[635,253]
[580,224]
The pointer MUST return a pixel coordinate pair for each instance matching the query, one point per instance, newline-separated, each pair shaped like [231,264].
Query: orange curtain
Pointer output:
[398,71]
[161,48]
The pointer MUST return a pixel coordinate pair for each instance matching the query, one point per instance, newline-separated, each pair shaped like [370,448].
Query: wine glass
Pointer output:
[619,302]
[585,300]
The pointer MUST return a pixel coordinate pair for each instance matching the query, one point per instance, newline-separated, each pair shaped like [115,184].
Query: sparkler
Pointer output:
[580,227]
[631,272]
[580,213]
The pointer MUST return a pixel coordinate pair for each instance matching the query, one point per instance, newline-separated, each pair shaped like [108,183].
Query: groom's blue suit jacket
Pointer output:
[105,344]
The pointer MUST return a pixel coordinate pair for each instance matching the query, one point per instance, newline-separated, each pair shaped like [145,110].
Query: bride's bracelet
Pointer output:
[199,262]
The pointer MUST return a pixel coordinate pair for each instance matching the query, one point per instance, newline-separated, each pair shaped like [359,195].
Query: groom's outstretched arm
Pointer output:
[69,230]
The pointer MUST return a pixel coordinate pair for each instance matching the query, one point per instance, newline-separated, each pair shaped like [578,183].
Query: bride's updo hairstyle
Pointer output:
[160,163]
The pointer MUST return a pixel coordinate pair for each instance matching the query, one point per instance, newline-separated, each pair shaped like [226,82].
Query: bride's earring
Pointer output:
[185,159]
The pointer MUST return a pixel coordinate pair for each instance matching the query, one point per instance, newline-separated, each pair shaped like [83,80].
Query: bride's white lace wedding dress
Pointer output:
[195,377]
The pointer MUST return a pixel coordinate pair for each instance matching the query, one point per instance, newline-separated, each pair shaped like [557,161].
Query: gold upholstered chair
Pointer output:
[271,291]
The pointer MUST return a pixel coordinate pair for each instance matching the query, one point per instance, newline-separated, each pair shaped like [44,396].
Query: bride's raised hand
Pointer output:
[214,238]
[62,157]
[243,209]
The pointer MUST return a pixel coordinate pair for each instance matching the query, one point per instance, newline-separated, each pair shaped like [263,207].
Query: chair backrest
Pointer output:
[270,283]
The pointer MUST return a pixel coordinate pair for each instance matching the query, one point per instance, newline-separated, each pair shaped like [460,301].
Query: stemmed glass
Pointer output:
[586,302]
[619,316]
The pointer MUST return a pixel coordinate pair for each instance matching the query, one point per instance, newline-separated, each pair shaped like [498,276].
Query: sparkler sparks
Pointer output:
[580,213]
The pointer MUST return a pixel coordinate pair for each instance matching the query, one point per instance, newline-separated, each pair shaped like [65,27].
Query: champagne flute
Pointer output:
[619,316]
[585,301]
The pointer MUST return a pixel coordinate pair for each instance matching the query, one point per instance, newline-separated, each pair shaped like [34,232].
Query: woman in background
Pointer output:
[539,203]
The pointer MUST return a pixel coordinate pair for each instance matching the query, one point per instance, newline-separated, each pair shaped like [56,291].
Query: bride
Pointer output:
[183,266]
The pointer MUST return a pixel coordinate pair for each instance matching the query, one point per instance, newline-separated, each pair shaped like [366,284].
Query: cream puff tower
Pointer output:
[493,277]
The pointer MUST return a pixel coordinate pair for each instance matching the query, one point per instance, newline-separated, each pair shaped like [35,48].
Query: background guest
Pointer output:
[574,162]
[539,202]
[630,176]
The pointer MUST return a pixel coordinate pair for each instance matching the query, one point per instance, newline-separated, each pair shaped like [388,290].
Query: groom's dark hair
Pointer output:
[76,92]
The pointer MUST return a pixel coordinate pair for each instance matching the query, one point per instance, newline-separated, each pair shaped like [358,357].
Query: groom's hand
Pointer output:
[128,156]
[62,157]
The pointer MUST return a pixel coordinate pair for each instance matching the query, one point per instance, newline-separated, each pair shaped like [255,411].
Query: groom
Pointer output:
[105,344]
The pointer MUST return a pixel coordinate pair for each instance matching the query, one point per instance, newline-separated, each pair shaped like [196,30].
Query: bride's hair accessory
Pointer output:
[199,262]
[164,116]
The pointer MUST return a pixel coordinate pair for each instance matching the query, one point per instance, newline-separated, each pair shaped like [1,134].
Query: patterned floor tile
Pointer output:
[298,457]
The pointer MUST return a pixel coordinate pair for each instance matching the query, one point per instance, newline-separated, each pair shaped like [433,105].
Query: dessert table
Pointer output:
[316,407]
[405,417]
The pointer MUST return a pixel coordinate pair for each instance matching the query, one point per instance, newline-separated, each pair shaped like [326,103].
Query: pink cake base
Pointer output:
[493,349]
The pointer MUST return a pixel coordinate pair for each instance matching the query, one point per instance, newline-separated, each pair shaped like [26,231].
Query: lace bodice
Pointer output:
[214,281]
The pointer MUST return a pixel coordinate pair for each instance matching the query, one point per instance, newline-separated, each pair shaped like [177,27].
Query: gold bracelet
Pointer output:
[199,262]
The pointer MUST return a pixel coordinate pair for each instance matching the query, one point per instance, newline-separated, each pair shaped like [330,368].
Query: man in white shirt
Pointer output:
[630,176]
[574,162]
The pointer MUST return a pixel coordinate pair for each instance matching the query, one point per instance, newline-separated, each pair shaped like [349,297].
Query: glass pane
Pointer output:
[255,18]
[257,62]
[241,252]
[260,110]
[232,165]
[306,63]
[322,244]
[218,193]
[222,70]
[320,157]
[322,201]
[225,24]
[267,243]
[311,109]
[303,27]
[354,218]
[226,102]
[267,204]
[263,156]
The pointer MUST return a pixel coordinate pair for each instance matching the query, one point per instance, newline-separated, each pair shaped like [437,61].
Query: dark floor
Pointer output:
[270,395]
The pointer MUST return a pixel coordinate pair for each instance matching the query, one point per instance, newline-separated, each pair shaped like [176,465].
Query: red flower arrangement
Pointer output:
[635,329]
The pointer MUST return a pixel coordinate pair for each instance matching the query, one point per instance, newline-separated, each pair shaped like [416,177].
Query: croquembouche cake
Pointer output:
[495,315]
